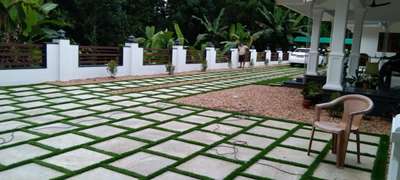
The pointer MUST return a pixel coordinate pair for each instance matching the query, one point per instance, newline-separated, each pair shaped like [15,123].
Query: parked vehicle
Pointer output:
[300,56]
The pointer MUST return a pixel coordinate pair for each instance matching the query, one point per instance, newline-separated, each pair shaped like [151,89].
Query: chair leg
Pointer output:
[339,152]
[334,143]
[311,139]
[358,146]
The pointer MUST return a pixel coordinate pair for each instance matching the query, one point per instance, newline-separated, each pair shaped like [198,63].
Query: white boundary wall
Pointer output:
[63,64]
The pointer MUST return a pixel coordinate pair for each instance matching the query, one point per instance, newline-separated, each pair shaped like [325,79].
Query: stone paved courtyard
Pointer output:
[84,132]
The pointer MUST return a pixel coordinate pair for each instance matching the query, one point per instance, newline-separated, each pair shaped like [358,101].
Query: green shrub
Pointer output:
[112,68]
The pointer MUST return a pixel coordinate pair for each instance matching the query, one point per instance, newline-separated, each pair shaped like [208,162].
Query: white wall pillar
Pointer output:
[267,57]
[178,58]
[253,56]
[357,36]
[234,58]
[211,57]
[68,57]
[134,55]
[336,57]
[312,61]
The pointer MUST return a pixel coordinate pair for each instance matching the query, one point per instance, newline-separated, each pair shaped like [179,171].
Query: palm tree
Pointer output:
[281,25]
[215,31]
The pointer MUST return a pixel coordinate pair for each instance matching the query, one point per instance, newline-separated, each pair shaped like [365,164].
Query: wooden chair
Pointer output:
[354,107]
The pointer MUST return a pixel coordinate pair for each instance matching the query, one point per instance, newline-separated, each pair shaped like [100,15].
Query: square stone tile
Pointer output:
[17,137]
[44,119]
[151,134]
[30,171]
[142,109]
[10,125]
[117,115]
[364,148]
[77,159]
[176,126]
[366,138]
[133,123]
[7,116]
[216,114]
[25,93]
[99,89]
[119,145]
[53,128]
[270,132]
[93,101]
[329,171]
[280,124]
[70,88]
[259,169]
[172,176]
[51,90]
[178,94]
[163,96]
[28,98]
[20,153]
[8,108]
[210,167]
[54,95]
[147,100]
[150,92]
[176,148]
[103,131]
[178,111]
[85,96]
[143,163]
[37,111]
[161,105]
[134,95]
[239,121]
[127,103]
[292,155]
[77,113]
[351,160]
[318,134]
[197,119]
[60,100]
[303,143]
[75,92]
[233,152]
[65,141]
[104,107]
[116,98]
[202,137]
[101,174]
[159,117]
[67,106]
[89,121]
[221,128]
[21,89]
[252,141]
[6,102]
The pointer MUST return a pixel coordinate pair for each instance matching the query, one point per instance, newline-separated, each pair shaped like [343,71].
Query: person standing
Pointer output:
[242,55]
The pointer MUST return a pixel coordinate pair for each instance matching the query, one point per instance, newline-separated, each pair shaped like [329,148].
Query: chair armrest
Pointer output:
[329,104]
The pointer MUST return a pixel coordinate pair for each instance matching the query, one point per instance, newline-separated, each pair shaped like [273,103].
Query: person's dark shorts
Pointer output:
[241,58]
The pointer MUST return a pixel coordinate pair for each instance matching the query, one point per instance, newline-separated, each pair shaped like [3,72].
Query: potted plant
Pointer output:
[112,68]
[170,68]
[312,93]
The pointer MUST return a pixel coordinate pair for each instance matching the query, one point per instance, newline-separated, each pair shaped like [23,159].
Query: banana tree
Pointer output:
[215,31]
[238,34]
[27,20]
[280,25]
[162,39]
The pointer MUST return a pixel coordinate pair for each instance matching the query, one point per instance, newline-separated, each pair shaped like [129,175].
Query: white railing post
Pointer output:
[178,57]
[253,56]
[234,58]
[211,57]
[394,166]
[68,59]
[267,57]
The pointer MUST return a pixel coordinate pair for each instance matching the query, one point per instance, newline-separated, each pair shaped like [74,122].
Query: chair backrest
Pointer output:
[355,103]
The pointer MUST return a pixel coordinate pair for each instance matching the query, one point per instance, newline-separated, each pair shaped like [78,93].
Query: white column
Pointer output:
[267,57]
[312,61]
[336,57]
[68,57]
[253,56]
[133,56]
[355,49]
[211,57]
[234,58]
[178,58]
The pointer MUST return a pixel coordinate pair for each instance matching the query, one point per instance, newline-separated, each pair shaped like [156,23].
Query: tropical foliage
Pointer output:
[238,34]
[161,39]
[215,31]
[23,20]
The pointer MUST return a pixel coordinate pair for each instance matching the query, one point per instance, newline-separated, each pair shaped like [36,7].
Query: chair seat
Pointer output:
[332,126]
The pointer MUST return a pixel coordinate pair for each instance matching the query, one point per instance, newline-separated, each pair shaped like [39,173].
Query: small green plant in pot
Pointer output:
[170,68]
[312,93]
[112,68]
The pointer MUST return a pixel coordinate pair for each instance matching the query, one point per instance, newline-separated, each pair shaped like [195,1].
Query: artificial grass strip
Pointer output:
[274,81]
[380,165]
